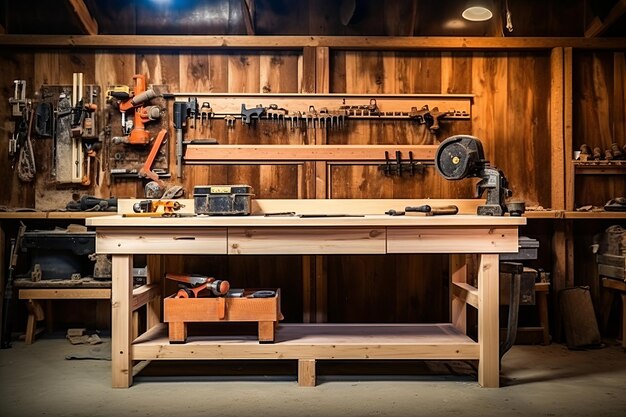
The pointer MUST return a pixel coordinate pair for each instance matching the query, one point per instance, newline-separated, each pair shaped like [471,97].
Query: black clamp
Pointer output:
[397,166]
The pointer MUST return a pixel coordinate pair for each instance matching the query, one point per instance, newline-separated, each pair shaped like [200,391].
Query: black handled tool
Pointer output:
[433,211]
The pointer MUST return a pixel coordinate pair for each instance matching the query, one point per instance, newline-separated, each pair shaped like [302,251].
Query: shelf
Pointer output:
[544,214]
[600,167]
[317,341]
[56,215]
[595,214]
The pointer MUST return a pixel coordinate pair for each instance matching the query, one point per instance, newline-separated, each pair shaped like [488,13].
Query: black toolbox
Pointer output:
[222,200]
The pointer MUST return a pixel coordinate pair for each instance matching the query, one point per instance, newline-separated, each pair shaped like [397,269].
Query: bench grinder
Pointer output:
[462,156]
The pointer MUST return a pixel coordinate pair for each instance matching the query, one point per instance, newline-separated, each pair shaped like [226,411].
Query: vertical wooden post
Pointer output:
[153,308]
[121,325]
[321,289]
[568,103]
[488,318]
[3,269]
[306,372]
[308,290]
[458,308]
[558,154]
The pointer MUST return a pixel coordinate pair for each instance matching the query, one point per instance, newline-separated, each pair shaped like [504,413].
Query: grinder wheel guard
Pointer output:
[462,156]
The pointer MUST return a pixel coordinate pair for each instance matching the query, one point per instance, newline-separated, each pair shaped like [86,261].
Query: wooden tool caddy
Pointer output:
[178,312]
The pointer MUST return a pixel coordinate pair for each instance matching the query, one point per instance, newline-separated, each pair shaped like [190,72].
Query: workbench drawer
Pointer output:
[152,241]
[305,240]
[452,240]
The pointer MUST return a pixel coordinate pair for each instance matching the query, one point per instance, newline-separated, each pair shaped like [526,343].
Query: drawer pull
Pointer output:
[184,238]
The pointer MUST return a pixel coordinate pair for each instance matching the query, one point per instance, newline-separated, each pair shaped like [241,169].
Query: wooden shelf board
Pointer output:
[600,167]
[318,341]
[547,214]
[595,215]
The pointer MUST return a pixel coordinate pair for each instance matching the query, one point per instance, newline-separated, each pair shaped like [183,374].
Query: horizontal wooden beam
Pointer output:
[86,20]
[597,27]
[143,295]
[297,153]
[65,293]
[297,42]
[465,292]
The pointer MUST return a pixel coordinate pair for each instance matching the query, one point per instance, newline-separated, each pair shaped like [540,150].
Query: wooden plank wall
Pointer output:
[510,115]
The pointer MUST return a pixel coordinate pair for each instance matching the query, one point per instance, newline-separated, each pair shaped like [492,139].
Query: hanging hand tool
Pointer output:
[435,115]
[19,101]
[136,131]
[90,153]
[182,111]
[145,170]
[253,113]
[8,289]
[195,283]
[26,168]
[206,113]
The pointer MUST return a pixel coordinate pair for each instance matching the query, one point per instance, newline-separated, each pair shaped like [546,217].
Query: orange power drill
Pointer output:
[136,131]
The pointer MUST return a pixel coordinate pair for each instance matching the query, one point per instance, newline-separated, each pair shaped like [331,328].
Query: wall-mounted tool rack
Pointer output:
[390,106]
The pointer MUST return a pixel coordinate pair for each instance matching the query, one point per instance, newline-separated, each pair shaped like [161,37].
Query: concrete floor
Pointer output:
[36,380]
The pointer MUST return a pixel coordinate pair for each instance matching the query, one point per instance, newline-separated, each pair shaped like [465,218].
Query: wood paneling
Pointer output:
[510,115]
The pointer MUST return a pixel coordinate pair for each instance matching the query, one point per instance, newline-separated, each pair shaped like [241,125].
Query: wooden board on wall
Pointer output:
[510,113]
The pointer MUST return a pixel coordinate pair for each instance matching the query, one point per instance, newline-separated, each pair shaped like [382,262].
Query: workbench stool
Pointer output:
[36,311]
[609,287]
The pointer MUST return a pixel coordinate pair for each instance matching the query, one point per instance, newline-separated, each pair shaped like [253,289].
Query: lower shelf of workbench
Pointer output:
[317,341]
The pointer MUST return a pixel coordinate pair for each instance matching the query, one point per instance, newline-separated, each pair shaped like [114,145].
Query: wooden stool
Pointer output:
[36,312]
[609,288]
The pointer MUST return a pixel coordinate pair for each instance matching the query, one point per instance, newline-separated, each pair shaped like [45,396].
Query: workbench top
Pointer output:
[375,220]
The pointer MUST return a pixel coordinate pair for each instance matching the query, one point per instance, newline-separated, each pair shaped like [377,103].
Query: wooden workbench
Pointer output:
[371,234]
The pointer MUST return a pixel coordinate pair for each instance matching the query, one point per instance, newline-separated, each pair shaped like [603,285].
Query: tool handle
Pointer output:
[143,97]
[419,209]
[445,210]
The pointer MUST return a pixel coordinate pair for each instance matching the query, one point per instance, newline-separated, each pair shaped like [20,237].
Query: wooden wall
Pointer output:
[510,114]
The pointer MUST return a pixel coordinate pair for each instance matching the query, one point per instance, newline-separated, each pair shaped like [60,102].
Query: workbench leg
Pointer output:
[49,317]
[153,308]
[121,321]
[35,314]
[306,372]
[458,307]
[542,306]
[266,331]
[488,318]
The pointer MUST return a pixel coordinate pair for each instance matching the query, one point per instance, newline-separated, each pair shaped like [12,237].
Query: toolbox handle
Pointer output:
[184,238]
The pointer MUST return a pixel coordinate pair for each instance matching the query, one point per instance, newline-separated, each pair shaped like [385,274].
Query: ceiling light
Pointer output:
[478,11]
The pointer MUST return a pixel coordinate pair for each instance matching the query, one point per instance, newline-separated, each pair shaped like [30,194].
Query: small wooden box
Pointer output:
[177,312]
